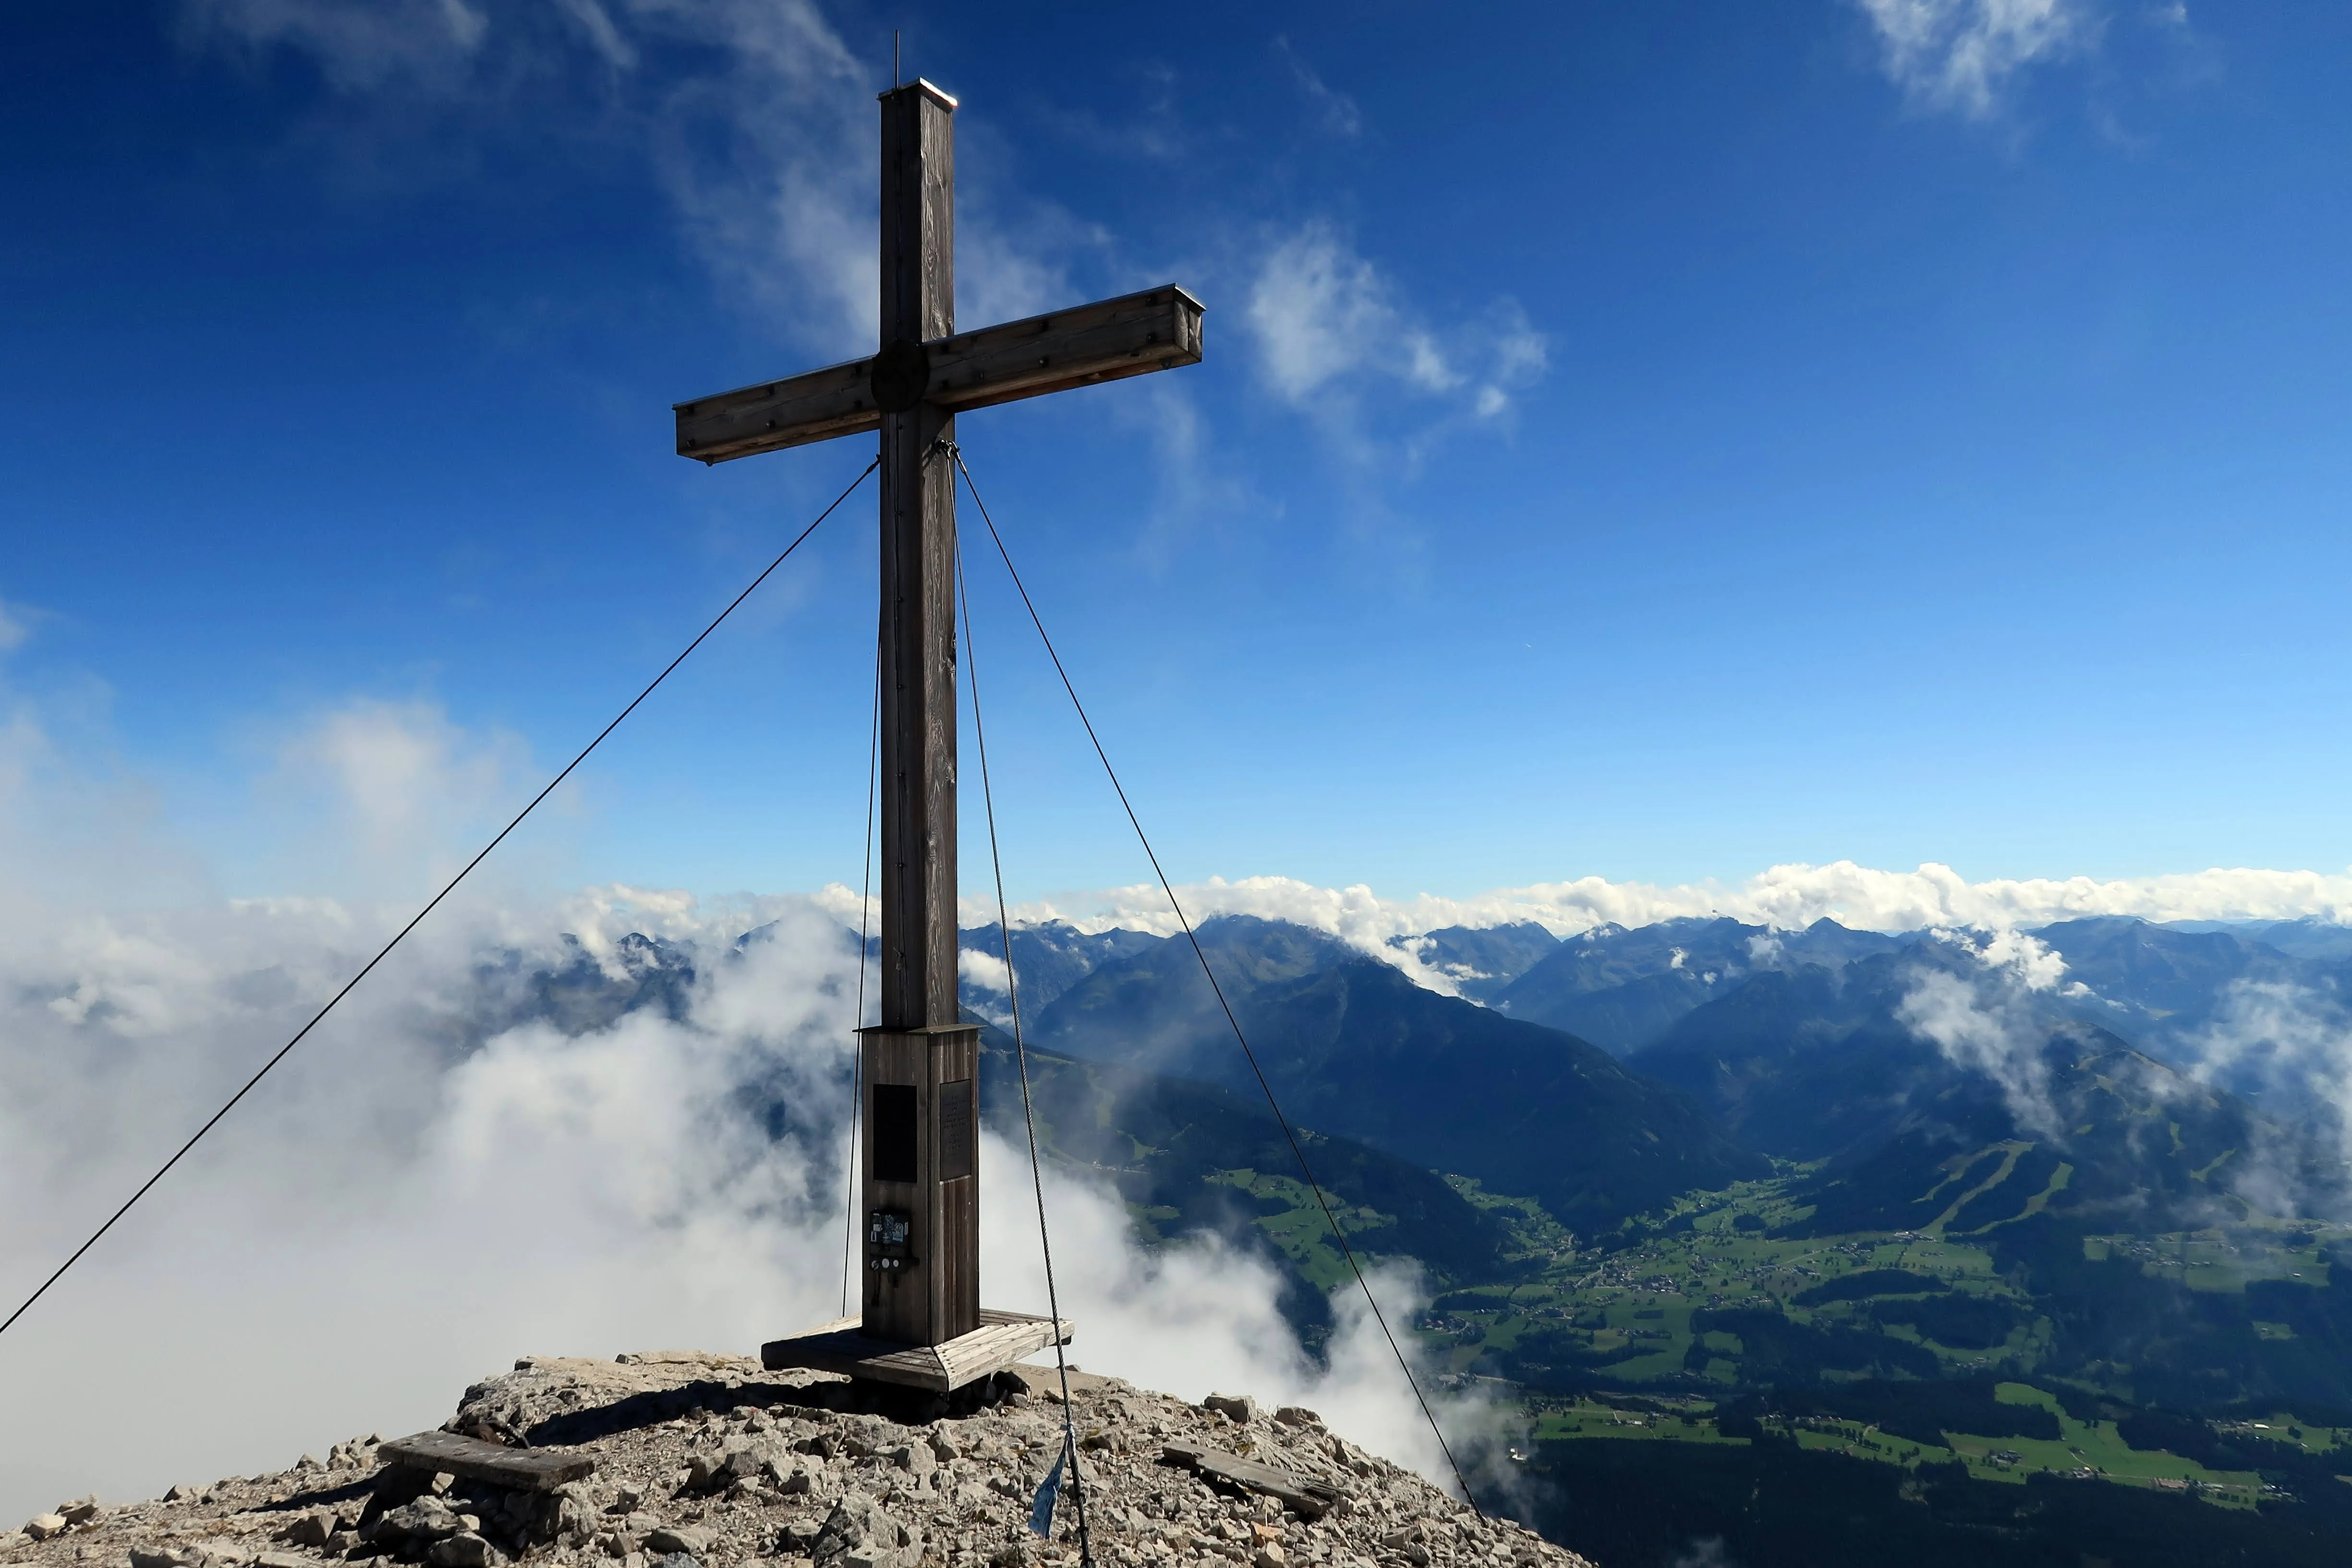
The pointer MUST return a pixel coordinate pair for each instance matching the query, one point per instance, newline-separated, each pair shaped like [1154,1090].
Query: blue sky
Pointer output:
[1647,442]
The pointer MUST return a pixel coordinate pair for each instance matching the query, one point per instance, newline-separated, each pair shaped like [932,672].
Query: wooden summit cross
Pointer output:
[921,1321]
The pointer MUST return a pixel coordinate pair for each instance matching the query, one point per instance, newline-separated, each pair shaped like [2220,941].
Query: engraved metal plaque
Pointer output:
[955,1128]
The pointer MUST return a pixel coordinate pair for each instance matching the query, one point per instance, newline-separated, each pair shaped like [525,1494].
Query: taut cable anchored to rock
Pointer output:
[432,903]
[1331,1219]
[857,1074]
[1043,1516]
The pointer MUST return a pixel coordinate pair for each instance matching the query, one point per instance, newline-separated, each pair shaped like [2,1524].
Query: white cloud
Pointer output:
[379,798]
[1963,56]
[2290,1048]
[596,25]
[357,46]
[407,1205]
[760,124]
[440,1180]
[1331,328]
[15,627]
[1984,1021]
[1334,111]
[1784,898]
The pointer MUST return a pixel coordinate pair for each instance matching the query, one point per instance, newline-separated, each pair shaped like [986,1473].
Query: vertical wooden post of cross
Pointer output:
[918,1126]
[921,1064]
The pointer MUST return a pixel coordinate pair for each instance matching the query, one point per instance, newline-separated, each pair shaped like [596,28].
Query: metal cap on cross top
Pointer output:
[921,1321]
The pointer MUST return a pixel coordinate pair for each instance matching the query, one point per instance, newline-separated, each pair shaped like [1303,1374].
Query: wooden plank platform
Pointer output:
[1001,1339]
[523,1469]
[1302,1495]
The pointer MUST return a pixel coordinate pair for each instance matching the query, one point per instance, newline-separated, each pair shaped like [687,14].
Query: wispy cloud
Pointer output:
[429,43]
[1984,1019]
[379,798]
[1332,330]
[1334,111]
[2289,1045]
[1965,56]
[15,627]
[755,116]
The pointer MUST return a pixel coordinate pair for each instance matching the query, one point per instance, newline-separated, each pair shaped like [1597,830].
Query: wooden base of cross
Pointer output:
[1002,1340]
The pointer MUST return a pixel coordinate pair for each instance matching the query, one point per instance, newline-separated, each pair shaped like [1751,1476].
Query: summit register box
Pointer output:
[921,1235]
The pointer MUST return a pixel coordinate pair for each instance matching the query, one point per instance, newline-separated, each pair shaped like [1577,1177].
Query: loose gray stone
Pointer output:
[466,1550]
[677,1537]
[312,1528]
[426,1519]
[1238,1407]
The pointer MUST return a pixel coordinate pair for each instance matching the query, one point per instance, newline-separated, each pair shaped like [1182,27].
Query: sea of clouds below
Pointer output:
[414,1199]
[407,1205]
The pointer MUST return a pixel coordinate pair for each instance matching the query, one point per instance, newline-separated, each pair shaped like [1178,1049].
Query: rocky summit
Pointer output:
[688,1460]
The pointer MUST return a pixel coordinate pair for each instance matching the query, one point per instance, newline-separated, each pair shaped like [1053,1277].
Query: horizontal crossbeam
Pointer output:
[1158,329]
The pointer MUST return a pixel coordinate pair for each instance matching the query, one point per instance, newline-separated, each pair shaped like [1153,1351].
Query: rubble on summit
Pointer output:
[707,1461]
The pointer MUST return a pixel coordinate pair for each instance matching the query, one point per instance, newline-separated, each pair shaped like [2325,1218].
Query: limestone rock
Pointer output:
[464,1550]
[426,1519]
[802,1470]
[311,1529]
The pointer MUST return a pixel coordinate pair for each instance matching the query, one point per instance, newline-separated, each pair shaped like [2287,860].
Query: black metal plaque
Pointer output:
[955,1128]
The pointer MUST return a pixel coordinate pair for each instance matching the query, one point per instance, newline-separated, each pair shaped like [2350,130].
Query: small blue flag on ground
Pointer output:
[1040,1512]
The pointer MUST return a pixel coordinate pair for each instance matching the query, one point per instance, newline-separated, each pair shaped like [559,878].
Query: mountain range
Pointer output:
[1826,1200]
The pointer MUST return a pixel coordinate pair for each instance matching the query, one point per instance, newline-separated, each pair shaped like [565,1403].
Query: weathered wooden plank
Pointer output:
[1157,329]
[1302,1495]
[522,1469]
[817,405]
[918,678]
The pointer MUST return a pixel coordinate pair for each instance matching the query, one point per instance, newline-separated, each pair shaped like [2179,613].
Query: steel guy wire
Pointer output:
[430,906]
[857,1069]
[1020,1056]
[1297,1151]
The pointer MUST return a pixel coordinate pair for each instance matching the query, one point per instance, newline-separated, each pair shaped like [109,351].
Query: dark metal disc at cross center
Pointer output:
[901,372]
